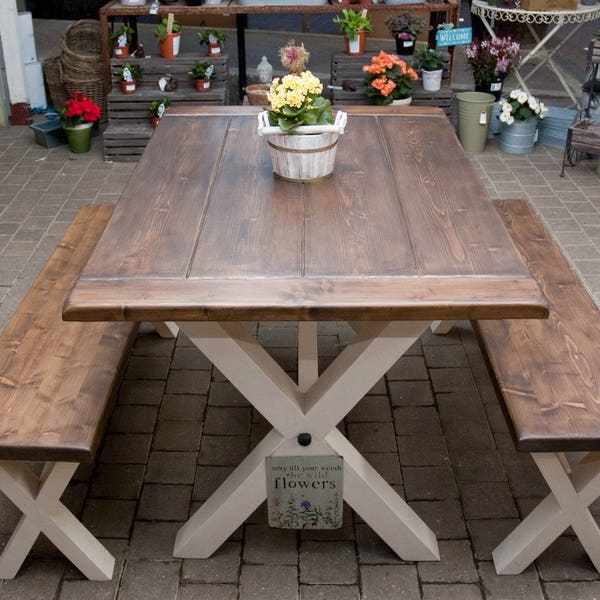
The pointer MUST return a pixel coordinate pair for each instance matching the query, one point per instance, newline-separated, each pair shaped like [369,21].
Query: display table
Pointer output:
[400,235]
[446,11]
[556,18]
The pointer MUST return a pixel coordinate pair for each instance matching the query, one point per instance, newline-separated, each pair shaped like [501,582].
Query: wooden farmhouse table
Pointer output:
[402,235]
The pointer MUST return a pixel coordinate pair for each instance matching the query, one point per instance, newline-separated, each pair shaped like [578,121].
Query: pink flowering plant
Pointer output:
[489,58]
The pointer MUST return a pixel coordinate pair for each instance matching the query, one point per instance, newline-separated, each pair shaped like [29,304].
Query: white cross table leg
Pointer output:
[572,491]
[315,407]
[39,501]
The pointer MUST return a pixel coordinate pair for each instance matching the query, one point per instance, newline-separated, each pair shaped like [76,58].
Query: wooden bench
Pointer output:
[547,373]
[349,68]
[56,388]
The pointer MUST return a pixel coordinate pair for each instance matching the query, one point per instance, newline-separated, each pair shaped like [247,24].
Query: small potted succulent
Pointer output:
[354,25]
[202,73]
[168,32]
[214,40]
[156,110]
[405,27]
[129,75]
[120,39]
[431,64]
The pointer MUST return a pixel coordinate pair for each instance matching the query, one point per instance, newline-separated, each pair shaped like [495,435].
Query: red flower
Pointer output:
[79,109]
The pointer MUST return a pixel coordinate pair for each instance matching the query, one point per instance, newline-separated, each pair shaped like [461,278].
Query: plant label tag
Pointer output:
[482,117]
[407,44]
[305,492]
[496,86]
[154,8]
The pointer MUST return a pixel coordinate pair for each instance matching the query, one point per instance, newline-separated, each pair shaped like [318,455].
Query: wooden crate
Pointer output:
[345,68]
[129,127]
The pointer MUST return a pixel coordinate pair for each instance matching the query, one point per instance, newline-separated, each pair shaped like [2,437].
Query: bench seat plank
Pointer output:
[57,378]
[548,371]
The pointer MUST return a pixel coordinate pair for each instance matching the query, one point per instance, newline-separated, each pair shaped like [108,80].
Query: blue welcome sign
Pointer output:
[454,37]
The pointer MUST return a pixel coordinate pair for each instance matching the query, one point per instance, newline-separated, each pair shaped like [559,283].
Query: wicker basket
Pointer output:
[93,89]
[54,81]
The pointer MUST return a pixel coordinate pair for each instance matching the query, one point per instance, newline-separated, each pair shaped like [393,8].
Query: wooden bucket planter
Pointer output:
[308,154]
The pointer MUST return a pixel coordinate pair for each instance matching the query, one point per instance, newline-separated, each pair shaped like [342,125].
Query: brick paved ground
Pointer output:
[433,428]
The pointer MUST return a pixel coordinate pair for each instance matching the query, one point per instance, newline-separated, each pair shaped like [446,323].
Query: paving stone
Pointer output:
[429,483]
[486,534]
[372,437]
[576,590]
[417,420]
[141,392]
[468,435]
[123,482]
[445,356]
[462,406]
[444,517]
[222,567]
[227,420]
[165,502]
[261,582]
[328,562]
[526,480]
[328,592]
[223,450]
[451,592]
[452,380]
[36,580]
[178,436]
[455,565]
[383,582]
[477,465]
[208,479]
[277,336]
[386,464]
[195,591]
[370,409]
[516,587]
[372,549]
[171,467]
[109,518]
[270,546]
[188,382]
[150,344]
[133,419]
[411,393]
[126,448]
[408,368]
[148,367]
[182,407]
[150,580]
[496,418]
[190,357]
[223,393]
[566,560]
[419,451]
[153,540]
[488,500]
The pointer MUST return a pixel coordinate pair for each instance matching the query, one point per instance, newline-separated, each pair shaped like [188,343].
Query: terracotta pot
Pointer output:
[121,51]
[202,85]
[257,94]
[214,50]
[356,47]
[154,121]
[169,47]
[128,87]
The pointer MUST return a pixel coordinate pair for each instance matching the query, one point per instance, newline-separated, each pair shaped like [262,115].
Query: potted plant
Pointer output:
[202,73]
[431,64]
[129,75]
[390,79]
[120,39]
[156,110]
[168,32]
[298,108]
[492,60]
[354,25]
[77,115]
[405,28]
[520,113]
[214,40]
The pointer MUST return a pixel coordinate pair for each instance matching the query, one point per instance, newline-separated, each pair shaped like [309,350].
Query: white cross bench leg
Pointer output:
[38,498]
[314,406]
[572,491]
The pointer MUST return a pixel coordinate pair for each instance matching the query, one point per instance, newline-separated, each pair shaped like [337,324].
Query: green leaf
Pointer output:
[286,124]
[311,117]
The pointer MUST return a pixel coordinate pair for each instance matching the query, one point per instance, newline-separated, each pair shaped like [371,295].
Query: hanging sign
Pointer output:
[454,37]
[305,492]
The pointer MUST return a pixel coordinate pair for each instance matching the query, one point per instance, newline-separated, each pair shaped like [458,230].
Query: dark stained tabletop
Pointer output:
[403,230]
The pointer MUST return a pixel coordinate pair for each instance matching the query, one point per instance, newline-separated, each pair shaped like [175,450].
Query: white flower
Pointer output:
[514,94]
[523,98]
[534,105]
[510,121]
[505,116]
[543,110]
[506,107]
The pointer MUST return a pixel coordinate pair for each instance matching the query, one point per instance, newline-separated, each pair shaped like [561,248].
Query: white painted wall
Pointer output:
[9,36]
